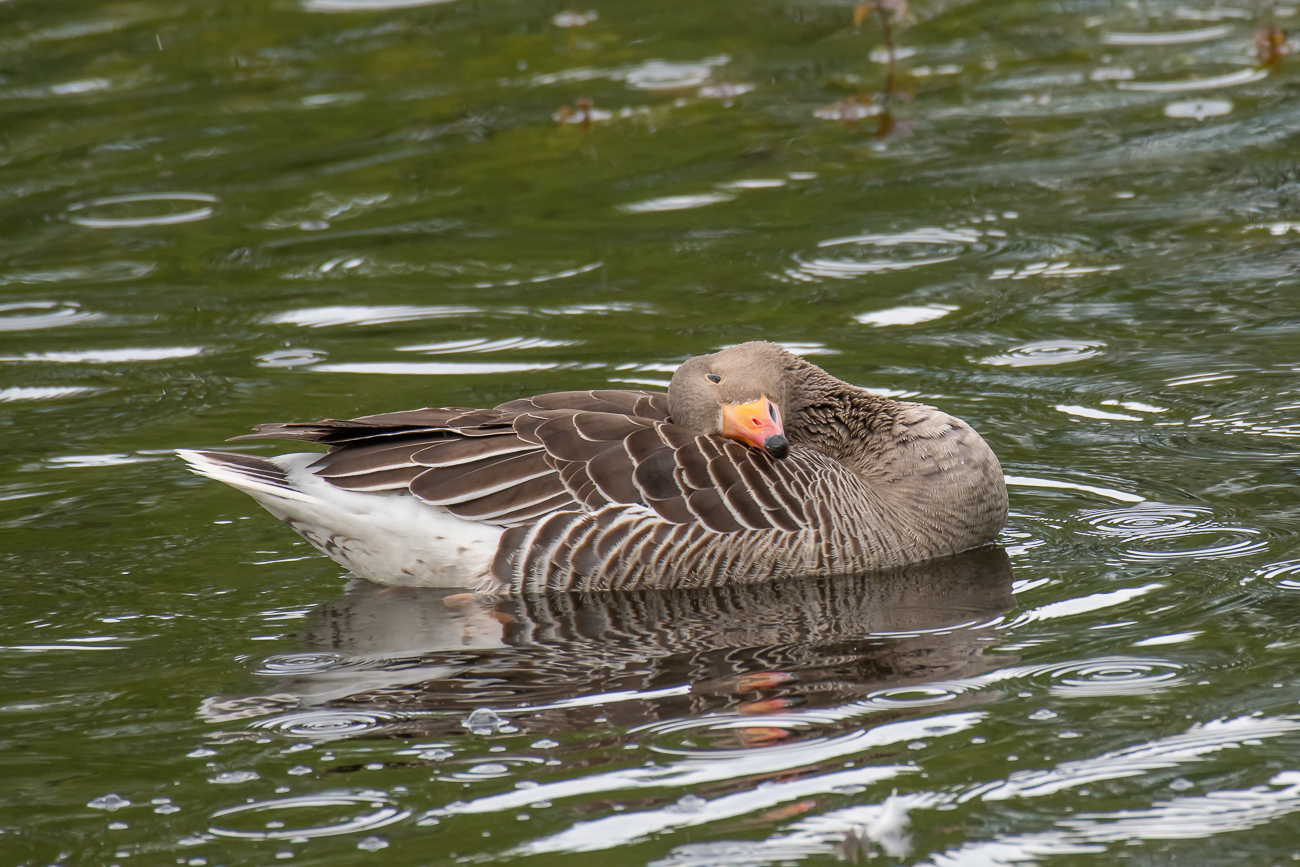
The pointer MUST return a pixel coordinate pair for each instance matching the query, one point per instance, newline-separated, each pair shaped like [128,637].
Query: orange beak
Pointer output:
[757,424]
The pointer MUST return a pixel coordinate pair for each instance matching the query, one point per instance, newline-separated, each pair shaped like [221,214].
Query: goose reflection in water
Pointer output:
[406,662]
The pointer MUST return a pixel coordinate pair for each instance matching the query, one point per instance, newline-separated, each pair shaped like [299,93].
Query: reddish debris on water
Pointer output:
[1270,45]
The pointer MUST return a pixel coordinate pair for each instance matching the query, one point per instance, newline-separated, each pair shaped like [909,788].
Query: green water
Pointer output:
[1078,232]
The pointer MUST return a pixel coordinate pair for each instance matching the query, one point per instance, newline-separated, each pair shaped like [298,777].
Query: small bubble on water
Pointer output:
[280,790]
[1043,714]
[375,766]
[1069,734]
[489,768]
[690,804]
[1181,784]
[429,820]
[373,844]
[977,740]
[435,755]
[284,853]
[554,762]
[118,826]
[544,744]
[226,778]
[917,745]
[200,753]
[498,748]
[197,862]
[296,748]
[121,853]
[483,721]
[526,784]
[523,817]
[166,809]
[298,770]
[109,802]
[540,805]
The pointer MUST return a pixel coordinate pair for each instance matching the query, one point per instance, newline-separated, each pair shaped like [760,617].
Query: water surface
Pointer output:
[1072,225]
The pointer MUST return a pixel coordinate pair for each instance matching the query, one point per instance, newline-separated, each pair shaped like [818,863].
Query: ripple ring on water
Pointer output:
[1109,675]
[283,664]
[328,724]
[740,734]
[194,214]
[1046,352]
[888,252]
[34,315]
[384,812]
[495,769]
[919,695]
[1154,523]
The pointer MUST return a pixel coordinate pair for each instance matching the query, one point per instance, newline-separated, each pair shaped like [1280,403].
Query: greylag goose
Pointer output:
[756,464]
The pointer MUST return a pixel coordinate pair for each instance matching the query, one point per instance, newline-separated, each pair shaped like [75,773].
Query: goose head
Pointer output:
[738,393]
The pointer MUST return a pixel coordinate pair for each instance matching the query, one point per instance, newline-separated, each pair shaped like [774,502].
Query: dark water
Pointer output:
[1076,229]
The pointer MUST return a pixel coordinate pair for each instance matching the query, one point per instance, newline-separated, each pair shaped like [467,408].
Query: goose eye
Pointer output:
[713,377]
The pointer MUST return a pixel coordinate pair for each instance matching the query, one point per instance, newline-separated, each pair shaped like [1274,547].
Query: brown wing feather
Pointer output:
[637,404]
[579,451]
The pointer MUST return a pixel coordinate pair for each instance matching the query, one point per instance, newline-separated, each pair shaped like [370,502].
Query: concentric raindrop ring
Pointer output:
[875,253]
[691,737]
[330,723]
[382,811]
[296,664]
[79,212]
[1111,675]
[1176,528]
[1046,352]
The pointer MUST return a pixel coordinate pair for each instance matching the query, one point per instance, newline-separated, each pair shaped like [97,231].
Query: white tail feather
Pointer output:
[236,477]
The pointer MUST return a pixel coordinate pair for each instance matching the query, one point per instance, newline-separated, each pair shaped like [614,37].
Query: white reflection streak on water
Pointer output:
[108,356]
[1232,79]
[620,829]
[1205,34]
[483,344]
[1082,604]
[1192,745]
[52,314]
[321,317]
[43,393]
[1182,818]
[430,368]
[695,772]
[1031,482]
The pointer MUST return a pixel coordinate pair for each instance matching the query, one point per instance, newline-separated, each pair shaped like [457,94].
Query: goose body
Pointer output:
[757,464]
